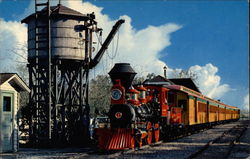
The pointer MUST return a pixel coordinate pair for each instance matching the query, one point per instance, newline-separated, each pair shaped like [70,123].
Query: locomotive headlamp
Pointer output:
[116,94]
[118,115]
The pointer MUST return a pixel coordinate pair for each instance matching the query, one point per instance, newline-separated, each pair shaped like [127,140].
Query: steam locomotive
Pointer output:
[148,112]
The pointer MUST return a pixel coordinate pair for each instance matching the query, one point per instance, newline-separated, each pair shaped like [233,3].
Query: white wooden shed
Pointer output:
[10,87]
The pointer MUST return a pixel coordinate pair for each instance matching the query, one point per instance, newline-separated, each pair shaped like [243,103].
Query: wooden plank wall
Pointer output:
[197,112]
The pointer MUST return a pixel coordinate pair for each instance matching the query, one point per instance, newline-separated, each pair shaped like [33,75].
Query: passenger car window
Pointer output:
[182,104]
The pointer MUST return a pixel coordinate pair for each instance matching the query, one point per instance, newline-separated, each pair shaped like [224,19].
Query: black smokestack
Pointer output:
[123,72]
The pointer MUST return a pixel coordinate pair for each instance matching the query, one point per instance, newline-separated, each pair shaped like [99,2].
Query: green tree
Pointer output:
[138,80]
[99,94]
[150,76]
[185,74]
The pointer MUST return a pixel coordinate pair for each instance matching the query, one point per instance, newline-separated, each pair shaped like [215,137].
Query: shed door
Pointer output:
[7,119]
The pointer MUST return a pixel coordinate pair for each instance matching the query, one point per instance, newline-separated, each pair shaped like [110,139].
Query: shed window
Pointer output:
[6,104]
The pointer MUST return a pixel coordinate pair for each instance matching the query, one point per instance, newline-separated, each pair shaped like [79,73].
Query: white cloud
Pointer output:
[141,48]
[12,42]
[246,102]
[209,81]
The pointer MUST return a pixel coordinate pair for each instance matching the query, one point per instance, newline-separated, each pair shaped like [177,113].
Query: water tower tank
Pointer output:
[65,40]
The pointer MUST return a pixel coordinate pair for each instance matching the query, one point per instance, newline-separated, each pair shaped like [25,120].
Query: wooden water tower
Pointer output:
[59,59]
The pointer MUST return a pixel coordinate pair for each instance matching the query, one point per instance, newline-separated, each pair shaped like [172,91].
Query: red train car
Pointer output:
[145,113]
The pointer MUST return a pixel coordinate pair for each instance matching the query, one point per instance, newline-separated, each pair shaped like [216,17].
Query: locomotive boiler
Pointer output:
[144,113]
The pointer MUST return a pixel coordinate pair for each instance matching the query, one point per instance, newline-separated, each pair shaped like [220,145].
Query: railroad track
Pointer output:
[221,147]
[201,145]
[211,143]
[183,147]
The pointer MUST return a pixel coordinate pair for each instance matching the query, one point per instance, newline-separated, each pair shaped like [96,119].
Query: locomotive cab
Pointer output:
[177,102]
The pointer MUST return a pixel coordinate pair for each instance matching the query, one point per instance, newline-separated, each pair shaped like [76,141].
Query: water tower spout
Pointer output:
[106,43]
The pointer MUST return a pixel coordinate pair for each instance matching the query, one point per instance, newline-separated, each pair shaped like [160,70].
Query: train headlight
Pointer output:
[118,115]
[116,94]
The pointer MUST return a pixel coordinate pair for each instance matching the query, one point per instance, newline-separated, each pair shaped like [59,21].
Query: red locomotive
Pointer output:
[145,113]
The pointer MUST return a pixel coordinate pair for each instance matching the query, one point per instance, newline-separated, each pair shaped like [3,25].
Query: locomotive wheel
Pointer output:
[150,133]
[156,132]
[138,140]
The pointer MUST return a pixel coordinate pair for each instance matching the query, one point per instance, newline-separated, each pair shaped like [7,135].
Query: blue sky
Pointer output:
[212,32]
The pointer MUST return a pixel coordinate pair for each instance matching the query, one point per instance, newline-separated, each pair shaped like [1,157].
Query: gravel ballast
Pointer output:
[193,146]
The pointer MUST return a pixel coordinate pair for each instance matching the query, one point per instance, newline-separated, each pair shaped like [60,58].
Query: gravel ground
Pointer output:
[29,153]
[222,147]
[184,147]
[178,149]
[241,148]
